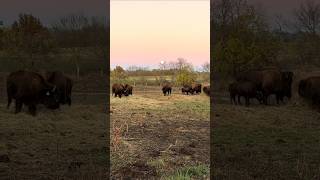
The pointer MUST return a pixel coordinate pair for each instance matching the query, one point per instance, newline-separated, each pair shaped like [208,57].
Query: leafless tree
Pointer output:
[307,17]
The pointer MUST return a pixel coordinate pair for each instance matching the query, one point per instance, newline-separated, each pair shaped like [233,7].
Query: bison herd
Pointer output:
[121,89]
[31,88]
[125,89]
[261,84]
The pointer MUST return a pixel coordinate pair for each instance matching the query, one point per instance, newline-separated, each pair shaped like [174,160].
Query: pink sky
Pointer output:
[147,32]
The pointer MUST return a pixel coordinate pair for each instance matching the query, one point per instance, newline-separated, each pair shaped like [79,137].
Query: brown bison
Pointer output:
[246,89]
[206,90]
[127,90]
[64,85]
[269,82]
[309,89]
[196,88]
[186,89]
[166,89]
[30,89]
[118,90]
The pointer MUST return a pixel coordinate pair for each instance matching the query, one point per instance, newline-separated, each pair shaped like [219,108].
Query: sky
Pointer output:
[50,10]
[143,33]
[271,8]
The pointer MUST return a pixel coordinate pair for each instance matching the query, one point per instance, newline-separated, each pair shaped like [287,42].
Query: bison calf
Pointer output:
[246,89]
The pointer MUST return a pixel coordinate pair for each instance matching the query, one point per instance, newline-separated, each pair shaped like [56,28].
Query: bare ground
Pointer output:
[153,135]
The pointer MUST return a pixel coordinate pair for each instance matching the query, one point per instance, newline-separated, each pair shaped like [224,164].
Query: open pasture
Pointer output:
[155,136]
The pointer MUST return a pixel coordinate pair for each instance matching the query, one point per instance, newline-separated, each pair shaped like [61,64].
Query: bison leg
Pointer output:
[32,109]
[69,101]
[239,100]
[18,106]
[9,102]
[247,101]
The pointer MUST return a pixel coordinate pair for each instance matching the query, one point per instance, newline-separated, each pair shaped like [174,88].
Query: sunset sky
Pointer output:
[146,32]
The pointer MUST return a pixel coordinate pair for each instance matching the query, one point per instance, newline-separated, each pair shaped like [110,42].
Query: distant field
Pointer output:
[160,137]
[155,80]
[150,78]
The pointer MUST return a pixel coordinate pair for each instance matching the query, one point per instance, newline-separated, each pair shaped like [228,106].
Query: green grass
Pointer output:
[186,173]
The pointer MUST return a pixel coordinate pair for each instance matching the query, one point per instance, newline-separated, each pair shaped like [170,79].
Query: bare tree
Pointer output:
[308,17]
[206,67]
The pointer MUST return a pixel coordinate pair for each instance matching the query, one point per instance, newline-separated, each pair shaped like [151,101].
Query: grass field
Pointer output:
[160,137]
[68,143]
[266,142]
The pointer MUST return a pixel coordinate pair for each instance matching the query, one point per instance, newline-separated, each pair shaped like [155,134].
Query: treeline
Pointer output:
[74,44]
[178,72]
[242,37]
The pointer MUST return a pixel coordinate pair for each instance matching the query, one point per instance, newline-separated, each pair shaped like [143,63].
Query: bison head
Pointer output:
[50,98]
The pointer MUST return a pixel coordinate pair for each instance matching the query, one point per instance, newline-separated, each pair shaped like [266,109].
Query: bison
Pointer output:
[166,89]
[246,89]
[63,83]
[127,90]
[118,90]
[206,90]
[196,88]
[309,89]
[186,89]
[269,82]
[30,89]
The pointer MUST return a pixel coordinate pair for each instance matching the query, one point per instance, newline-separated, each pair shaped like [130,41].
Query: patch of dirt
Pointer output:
[138,170]
[165,131]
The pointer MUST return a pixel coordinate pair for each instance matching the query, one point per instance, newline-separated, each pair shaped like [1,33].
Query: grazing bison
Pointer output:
[206,90]
[269,82]
[64,85]
[118,90]
[166,89]
[127,90]
[30,89]
[186,89]
[309,89]
[196,88]
[246,89]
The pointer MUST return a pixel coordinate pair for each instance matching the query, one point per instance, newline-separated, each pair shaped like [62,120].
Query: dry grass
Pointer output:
[69,143]
[160,134]
[266,142]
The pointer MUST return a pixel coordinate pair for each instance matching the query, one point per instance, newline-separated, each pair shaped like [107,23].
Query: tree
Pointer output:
[241,37]
[185,77]
[119,74]
[206,67]
[82,36]
[308,17]
[28,38]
